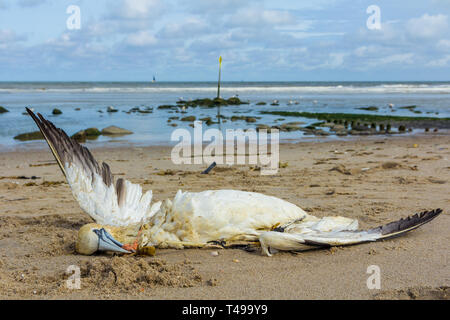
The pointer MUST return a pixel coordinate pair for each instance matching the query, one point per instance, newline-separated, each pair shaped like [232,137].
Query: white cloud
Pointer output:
[31,3]
[443,45]
[442,62]
[335,60]
[427,26]
[365,51]
[402,58]
[187,28]
[214,6]
[141,39]
[9,36]
[261,18]
[255,37]
[138,9]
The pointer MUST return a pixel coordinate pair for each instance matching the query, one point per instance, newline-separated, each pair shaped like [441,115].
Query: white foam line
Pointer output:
[386,88]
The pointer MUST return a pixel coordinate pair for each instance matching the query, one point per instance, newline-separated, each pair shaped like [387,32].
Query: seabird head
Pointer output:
[93,237]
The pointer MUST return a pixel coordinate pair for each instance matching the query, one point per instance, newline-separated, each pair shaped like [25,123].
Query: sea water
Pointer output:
[431,98]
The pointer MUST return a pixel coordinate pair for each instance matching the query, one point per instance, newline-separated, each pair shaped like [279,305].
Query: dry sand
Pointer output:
[39,220]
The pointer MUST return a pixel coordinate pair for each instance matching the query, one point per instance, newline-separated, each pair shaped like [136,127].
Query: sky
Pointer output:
[282,40]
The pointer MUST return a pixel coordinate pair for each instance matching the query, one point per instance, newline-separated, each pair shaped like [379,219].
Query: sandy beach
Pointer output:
[372,179]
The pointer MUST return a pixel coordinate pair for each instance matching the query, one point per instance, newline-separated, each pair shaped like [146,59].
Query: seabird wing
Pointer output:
[312,238]
[119,204]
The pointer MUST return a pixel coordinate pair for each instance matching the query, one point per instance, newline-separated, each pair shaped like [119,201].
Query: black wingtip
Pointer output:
[30,112]
[410,223]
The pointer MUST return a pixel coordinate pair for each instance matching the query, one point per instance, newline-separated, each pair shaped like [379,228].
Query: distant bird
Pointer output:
[127,221]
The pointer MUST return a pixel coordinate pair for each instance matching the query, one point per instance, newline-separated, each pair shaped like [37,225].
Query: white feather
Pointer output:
[100,201]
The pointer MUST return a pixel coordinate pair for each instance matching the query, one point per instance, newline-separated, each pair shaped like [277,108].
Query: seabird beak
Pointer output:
[106,242]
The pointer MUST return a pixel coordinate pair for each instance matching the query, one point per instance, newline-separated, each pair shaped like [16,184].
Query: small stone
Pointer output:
[390,165]
[56,112]
[341,169]
[189,119]
[234,101]
[214,253]
[92,132]
[167,106]
[212,282]
[113,130]
[35,135]
[283,165]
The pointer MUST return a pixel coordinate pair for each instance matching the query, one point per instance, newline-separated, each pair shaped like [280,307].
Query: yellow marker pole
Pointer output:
[220,72]
[218,93]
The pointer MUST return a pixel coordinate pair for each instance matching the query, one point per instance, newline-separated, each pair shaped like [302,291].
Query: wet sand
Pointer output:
[372,179]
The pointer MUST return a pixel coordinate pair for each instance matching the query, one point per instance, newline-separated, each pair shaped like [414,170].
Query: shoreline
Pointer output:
[40,145]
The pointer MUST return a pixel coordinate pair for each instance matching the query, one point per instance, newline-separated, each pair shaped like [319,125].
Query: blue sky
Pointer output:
[130,40]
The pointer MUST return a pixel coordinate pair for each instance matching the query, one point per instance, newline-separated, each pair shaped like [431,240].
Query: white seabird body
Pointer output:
[219,215]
